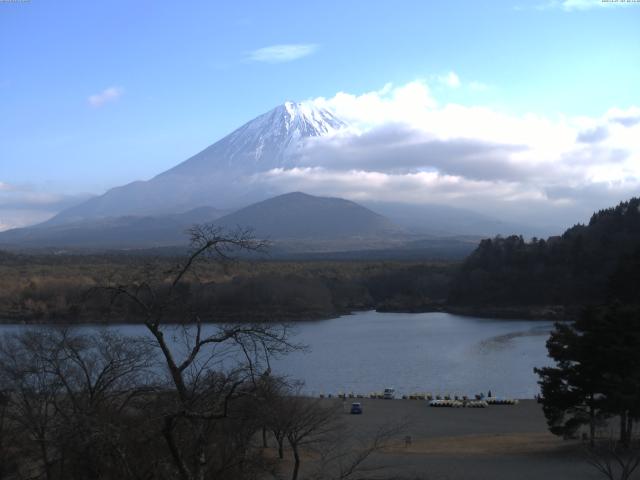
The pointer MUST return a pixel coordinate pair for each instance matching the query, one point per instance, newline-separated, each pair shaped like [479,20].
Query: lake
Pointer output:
[438,353]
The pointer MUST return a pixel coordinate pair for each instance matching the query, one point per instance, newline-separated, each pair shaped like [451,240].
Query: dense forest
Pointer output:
[587,265]
[505,276]
[64,288]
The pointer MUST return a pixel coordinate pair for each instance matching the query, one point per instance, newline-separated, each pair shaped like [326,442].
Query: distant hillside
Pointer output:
[301,216]
[221,173]
[119,232]
[299,226]
[446,221]
[307,223]
[588,264]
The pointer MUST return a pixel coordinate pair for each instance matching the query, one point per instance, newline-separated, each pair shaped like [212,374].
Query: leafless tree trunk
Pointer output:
[347,456]
[310,422]
[614,460]
[202,394]
[592,422]
[280,440]
[4,454]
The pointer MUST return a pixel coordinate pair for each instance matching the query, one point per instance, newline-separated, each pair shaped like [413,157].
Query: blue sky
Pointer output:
[96,94]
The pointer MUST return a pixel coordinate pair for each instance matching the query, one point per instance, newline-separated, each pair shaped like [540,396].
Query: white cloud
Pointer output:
[109,94]
[371,185]
[406,104]
[282,53]
[403,145]
[451,80]
[580,5]
[22,205]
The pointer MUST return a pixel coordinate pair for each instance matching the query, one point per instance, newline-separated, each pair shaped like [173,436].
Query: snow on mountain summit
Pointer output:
[312,120]
[276,136]
[271,140]
[222,173]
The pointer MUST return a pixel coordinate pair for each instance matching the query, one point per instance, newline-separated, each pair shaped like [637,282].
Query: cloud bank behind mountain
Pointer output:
[403,145]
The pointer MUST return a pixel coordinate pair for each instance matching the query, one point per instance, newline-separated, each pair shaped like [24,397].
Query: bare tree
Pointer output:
[66,390]
[316,427]
[613,460]
[348,456]
[209,365]
[310,424]
[102,374]
[7,460]
[31,396]
[272,409]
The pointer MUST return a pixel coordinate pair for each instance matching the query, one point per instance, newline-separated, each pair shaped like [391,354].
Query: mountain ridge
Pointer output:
[124,232]
[222,176]
[217,174]
[296,215]
[303,216]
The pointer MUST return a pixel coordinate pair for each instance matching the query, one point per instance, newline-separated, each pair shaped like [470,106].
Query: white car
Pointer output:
[389,394]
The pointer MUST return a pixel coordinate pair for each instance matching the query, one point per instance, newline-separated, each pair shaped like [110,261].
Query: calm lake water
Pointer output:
[425,352]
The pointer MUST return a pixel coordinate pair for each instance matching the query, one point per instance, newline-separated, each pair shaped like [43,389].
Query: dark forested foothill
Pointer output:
[587,265]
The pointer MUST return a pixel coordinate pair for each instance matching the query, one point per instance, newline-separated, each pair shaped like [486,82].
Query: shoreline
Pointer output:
[532,312]
[529,312]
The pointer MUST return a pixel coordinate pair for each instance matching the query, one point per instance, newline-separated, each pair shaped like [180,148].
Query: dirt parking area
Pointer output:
[497,442]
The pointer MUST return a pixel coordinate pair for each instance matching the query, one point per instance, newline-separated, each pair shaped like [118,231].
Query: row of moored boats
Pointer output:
[454,401]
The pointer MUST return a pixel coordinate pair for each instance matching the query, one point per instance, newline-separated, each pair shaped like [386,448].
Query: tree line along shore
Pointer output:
[505,277]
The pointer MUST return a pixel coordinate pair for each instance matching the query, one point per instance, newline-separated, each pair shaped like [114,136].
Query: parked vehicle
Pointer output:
[389,394]
[356,408]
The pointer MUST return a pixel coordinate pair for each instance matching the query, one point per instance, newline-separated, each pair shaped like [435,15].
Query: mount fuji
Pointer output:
[221,184]
[220,175]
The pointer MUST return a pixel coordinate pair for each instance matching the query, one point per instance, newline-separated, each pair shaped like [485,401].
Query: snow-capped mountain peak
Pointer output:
[315,121]
[220,174]
[271,140]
